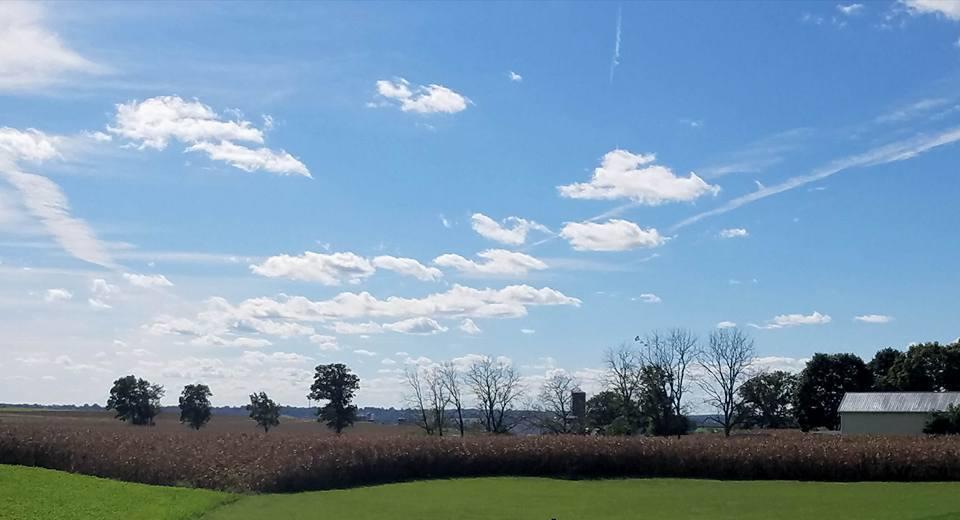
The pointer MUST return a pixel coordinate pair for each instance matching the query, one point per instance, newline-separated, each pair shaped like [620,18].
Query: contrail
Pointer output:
[616,46]
[898,151]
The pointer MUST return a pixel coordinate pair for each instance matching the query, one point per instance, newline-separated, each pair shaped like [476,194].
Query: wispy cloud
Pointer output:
[615,61]
[897,151]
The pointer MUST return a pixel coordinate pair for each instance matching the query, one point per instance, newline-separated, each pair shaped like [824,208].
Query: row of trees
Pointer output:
[646,388]
[138,401]
[925,367]
[647,382]
[494,384]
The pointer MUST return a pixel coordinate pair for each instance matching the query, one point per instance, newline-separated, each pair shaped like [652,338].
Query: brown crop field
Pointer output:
[304,456]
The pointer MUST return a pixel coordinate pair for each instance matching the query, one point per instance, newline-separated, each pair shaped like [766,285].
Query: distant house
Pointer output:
[902,413]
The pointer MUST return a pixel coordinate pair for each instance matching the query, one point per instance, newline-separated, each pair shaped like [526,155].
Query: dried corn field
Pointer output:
[297,459]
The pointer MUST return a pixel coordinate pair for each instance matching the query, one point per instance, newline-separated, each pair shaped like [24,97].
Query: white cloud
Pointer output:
[470,327]
[511,230]
[325,343]
[792,320]
[43,198]
[496,262]
[369,327]
[99,304]
[874,318]
[613,235]
[211,340]
[337,268]
[280,315]
[407,267]
[772,363]
[850,9]
[253,159]
[27,145]
[734,233]
[623,174]
[147,281]
[726,325]
[101,292]
[514,77]
[32,56]
[419,326]
[528,331]
[57,295]
[328,269]
[154,122]
[647,298]
[428,99]
[387,361]
[255,358]
[363,352]
[949,9]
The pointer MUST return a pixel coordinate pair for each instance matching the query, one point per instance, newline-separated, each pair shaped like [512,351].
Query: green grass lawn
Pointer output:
[28,493]
[34,493]
[663,499]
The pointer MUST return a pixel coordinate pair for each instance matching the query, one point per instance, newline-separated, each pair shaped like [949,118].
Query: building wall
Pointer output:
[886,422]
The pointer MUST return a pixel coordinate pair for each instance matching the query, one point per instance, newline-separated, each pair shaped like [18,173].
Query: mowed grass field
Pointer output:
[31,493]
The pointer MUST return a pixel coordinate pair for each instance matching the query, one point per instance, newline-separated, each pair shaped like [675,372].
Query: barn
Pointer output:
[903,413]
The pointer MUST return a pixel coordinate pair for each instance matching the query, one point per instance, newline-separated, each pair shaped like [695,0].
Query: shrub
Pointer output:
[944,423]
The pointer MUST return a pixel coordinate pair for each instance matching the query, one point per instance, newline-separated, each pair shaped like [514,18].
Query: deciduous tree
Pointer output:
[195,405]
[135,400]
[496,386]
[335,384]
[725,362]
[768,399]
[264,411]
[824,381]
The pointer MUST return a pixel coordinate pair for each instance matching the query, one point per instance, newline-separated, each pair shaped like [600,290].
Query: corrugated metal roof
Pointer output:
[898,401]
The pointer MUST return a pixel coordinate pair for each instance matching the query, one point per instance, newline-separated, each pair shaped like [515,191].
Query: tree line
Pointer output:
[137,401]
[646,384]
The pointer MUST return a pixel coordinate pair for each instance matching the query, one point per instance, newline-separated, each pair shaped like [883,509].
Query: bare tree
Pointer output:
[496,385]
[439,399]
[416,398]
[451,379]
[556,400]
[674,353]
[624,376]
[726,363]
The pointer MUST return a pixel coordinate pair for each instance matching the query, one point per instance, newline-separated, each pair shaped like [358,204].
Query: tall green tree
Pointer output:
[927,367]
[824,381]
[604,407]
[880,366]
[264,411]
[656,404]
[768,399]
[195,405]
[135,400]
[335,384]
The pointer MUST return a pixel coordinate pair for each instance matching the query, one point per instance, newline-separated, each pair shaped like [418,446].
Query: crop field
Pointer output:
[29,493]
[306,457]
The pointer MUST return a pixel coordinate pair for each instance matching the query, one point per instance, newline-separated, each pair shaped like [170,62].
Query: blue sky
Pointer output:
[235,193]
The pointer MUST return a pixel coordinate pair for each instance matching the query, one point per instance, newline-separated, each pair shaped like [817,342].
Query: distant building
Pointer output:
[902,413]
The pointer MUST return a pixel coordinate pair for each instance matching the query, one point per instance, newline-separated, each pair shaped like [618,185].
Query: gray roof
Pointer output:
[920,402]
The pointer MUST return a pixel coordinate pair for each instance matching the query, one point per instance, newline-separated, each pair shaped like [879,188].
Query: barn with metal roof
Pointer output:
[892,412]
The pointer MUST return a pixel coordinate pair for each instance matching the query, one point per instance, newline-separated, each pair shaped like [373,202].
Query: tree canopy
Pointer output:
[195,405]
[335,384]
[135,400]
[822,385]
